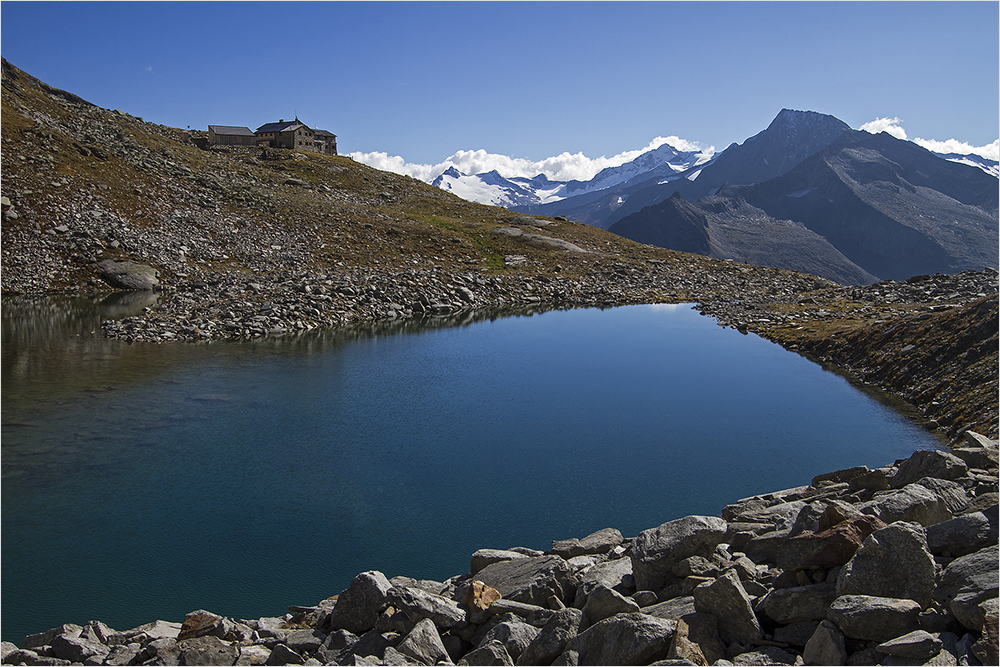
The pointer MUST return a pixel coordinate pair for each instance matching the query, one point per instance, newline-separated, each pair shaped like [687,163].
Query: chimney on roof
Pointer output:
[281,120]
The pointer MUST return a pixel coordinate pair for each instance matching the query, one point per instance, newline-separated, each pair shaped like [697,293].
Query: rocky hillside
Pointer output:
[242,243]
[891,566]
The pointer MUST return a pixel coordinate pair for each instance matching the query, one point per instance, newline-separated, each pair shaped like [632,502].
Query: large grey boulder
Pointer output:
[962,535]
[656,550]
[624,639]
[491,653]
[672,609]
[615,573]
[424,644]
[916,645]
[77,649]
[600,542]
[928,463]
[418,604]
[359,607]
[726,599]
[952,494]
[604,602]
[551,640]
[206,650]
[532,580]
[873,618]
[894,563]
[968,581]
[913,503]
[128,275]
[800,603]
[515,635]
[826,646]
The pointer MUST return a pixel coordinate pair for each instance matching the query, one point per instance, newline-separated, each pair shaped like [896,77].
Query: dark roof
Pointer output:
[324,133]
[280,126]
[231,129]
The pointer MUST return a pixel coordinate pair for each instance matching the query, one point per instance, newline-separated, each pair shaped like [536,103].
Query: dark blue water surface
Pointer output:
[147,481]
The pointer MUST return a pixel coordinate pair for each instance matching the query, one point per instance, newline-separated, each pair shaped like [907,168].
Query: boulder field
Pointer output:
[892,566]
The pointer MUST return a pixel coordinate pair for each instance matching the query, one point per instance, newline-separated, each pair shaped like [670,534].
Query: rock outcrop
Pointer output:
[861,587]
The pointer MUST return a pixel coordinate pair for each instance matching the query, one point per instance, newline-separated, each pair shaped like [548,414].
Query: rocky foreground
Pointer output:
[892,566]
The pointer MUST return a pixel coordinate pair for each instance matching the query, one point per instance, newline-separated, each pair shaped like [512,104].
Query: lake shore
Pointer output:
[893,565]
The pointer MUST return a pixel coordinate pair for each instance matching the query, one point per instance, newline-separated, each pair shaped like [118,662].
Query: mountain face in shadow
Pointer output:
[860,209]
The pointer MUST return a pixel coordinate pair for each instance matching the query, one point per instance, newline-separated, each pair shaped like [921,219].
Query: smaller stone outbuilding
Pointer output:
[230,135]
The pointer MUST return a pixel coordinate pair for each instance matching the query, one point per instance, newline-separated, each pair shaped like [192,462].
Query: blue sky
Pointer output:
[529,80]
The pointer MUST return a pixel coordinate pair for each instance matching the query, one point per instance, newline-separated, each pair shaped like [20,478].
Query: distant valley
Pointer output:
[808,193]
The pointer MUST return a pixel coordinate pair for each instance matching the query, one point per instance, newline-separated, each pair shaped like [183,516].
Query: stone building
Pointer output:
[296,135]
[230,135]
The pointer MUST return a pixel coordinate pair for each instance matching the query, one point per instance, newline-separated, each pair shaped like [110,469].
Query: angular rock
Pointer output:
[532,580]
[796,634]
[952,494]
[928,463]
[968,581]
[206,650]
[491,653]
[962,535]
[125,654]
[604,602]
[875,480]
[839,476]
[656,550]
[913,503]
[800,603]
[128,275]
[987,649]
[200,623]
[484,557]
[697,640]
[252,655]
[726,599]
[305,641]
[77,649]
[873,618]
[600,542]
[765,655]
[516,636]
[359,607]
[615,574]
[479,596]
[624,639]
[418,604]
[551,640]
[672,609]
[828,548]
[45,638]
[894,563]
[424,644]
[916,645]
[282,655]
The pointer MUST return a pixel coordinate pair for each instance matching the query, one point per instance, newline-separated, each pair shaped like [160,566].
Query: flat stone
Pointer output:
[600,542]
[916,645]
[128,275]
[962,535]
[532,580]
[418,604]
[800,603]
[484,557]
[873,618]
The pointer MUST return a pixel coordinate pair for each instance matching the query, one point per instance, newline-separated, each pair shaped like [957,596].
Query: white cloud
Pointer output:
[562,167]
[890,125]
[894,127]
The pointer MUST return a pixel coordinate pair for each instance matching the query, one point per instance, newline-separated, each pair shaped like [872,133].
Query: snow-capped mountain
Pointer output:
[664,162]
[991,167]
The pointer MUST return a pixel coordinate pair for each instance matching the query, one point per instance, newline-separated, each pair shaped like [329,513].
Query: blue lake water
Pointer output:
[141,482]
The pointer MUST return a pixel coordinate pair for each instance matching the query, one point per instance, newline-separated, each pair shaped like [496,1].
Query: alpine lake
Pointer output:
[146,481]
